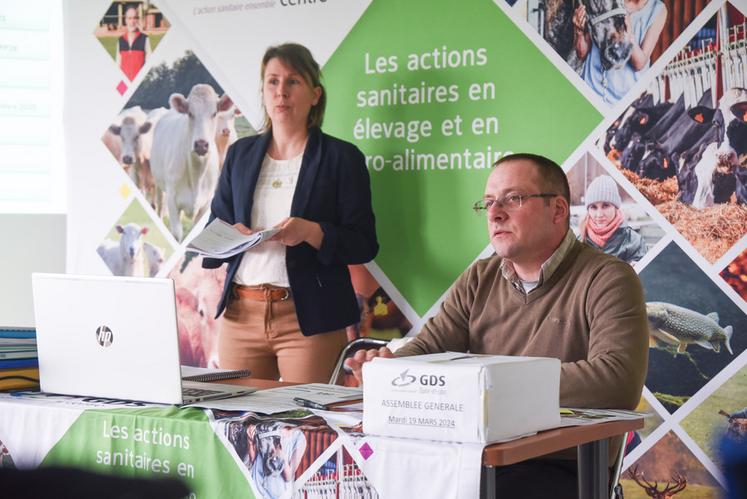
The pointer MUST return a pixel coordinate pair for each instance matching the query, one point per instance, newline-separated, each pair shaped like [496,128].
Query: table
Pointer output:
[591,441]
[41,430]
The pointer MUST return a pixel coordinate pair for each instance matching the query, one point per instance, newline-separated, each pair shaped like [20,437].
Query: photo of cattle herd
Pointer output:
[171,139]
[683,142]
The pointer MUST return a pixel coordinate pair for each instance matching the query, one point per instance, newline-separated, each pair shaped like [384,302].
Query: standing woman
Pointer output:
[286,302]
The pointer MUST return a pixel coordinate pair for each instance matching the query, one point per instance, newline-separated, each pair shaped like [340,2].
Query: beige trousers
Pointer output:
[265,337]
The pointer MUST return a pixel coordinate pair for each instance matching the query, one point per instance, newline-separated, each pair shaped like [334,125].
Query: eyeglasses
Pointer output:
[509,202]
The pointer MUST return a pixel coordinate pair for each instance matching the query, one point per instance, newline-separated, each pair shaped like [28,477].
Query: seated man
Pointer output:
[543,294]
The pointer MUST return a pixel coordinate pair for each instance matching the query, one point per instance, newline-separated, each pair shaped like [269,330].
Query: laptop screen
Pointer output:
[112,337]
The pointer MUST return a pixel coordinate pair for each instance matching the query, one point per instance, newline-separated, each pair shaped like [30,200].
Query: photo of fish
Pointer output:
[673,325]
[695,329]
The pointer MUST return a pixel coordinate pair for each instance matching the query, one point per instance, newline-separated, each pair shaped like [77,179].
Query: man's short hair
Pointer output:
[552,175]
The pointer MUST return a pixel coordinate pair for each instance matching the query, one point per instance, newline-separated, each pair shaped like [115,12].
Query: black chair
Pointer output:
[616,490]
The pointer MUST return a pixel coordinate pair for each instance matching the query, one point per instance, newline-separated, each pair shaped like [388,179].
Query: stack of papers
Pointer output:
[580,417]
[222,240]
[282,399]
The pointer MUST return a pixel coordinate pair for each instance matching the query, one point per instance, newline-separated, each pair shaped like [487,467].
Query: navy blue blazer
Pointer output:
[333,189]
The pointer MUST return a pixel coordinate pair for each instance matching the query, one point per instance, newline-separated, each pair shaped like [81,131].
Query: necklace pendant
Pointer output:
[277,183]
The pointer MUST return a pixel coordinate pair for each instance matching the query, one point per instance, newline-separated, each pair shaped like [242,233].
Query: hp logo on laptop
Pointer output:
[104,336]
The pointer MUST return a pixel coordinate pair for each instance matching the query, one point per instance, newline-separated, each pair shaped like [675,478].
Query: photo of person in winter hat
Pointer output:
[603,227]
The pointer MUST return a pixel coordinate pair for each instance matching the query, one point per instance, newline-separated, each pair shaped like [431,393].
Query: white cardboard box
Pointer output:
[461,397]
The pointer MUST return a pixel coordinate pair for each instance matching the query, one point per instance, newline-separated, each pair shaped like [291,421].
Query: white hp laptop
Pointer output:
[113,337]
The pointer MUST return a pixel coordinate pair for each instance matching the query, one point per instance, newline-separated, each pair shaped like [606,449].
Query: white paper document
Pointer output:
[580,417]
[259,401]
[277,400]
[320,393]
[222,240]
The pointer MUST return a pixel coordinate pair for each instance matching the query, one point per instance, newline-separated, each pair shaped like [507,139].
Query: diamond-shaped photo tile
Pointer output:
[610,44]
[130,32]
[339,476]
[605,216]
[134,246]
[172,136]
[695,329]
[666,469]
[652,422]
[723,412]
[683,142]
[380,316]
[735,274]
[198,292]
[276,449]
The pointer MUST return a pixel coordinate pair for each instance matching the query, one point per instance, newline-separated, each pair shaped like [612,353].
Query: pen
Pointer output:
[309,403]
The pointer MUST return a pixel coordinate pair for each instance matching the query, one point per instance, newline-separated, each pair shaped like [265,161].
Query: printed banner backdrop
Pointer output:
[300,453]
[433,93]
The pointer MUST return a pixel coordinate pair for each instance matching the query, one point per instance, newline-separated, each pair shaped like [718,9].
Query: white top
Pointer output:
[265,263]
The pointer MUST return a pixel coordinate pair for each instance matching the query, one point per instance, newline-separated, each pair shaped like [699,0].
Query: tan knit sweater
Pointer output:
[589,313]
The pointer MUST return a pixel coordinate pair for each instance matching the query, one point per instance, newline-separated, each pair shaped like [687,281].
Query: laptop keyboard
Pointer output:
[198,392]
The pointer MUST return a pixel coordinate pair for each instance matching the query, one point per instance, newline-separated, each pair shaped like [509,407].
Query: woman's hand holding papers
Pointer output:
[296,230]
[355,363]
[243,229]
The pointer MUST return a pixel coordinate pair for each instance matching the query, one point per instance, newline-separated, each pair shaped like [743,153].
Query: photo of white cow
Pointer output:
[134,246]
[130,138]
[125,257]
[184,159]
[172,136]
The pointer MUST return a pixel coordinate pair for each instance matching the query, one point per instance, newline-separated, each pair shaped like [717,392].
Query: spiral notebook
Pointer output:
[190,373]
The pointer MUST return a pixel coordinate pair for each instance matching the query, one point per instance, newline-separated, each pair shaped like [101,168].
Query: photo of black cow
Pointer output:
[683,142]
[695,329]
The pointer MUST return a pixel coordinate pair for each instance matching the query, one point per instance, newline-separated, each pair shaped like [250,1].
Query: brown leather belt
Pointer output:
[263,293]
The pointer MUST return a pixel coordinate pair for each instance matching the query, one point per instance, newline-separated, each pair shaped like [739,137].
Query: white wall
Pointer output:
[29,243]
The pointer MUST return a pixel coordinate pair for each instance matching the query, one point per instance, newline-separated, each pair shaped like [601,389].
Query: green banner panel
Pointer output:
[432,109]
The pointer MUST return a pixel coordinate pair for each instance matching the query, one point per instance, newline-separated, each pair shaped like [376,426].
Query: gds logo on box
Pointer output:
[432,380]
[405,379]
